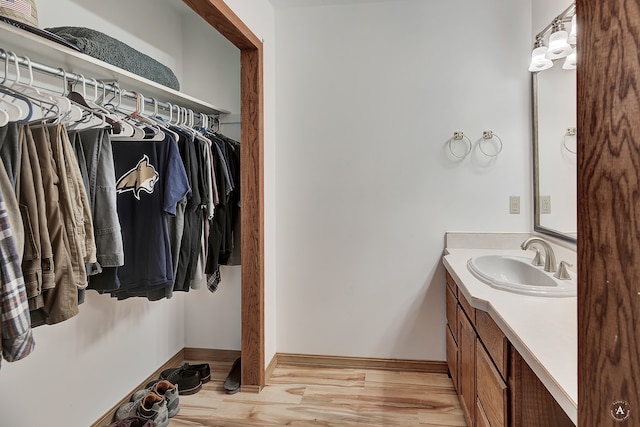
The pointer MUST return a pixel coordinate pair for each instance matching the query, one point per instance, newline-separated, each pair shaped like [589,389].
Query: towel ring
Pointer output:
[459,136]
[569,132]
[488,135]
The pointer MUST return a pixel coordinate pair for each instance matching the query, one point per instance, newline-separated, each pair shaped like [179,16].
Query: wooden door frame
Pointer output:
[223,19]
[608,212]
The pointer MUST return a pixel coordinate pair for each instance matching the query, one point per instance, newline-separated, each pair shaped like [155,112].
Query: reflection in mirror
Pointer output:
[555,137]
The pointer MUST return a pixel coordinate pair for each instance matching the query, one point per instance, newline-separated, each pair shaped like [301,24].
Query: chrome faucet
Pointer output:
[549,256]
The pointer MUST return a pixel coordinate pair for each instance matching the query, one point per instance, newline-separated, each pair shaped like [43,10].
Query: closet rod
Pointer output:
[77,78]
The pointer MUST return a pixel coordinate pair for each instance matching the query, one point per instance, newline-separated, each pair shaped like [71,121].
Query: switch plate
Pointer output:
[514,204]
[545,204]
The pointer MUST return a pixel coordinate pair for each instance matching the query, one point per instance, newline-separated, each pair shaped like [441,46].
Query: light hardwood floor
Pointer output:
[301,396]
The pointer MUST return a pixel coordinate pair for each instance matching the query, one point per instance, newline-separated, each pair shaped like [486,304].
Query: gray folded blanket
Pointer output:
[115,52]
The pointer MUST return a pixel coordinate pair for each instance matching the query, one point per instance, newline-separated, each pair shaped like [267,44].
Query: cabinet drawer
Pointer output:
[452,313]
[452,358]
[494,341]
[467,367]
[492,390]
[451,284]
[481,417]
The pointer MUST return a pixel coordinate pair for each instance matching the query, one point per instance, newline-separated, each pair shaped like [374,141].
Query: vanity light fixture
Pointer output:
[558,42]
[539,60]
[558,45]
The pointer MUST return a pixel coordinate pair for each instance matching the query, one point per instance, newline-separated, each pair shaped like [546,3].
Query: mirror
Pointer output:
[554,151]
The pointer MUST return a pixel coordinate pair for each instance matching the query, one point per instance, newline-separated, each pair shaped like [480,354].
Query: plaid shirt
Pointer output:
[17,338]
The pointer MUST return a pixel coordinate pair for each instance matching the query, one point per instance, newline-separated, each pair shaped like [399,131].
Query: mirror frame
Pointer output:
[536,174]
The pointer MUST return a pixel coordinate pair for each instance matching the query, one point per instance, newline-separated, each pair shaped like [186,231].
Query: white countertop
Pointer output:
[544,330]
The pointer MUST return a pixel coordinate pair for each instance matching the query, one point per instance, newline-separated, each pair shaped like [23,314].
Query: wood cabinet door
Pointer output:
[452,313]
[467,367]
[452,358]
[494,340]
[492,390]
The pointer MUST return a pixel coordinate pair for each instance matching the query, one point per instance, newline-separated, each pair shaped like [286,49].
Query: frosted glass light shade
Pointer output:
[539,61]
[558,46]
[572,34]
[571,61]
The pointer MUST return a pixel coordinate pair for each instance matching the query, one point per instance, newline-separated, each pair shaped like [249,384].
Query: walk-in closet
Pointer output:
[112,341]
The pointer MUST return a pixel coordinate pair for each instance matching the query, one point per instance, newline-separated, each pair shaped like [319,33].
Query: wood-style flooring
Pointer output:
[337,397]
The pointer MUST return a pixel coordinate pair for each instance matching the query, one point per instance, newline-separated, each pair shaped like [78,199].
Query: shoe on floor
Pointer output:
[164,389]
[150,407]
[187,381]
[232,382]
[154,407]
[203,369]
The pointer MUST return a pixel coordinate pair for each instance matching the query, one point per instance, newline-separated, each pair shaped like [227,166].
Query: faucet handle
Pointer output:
[563,273]
[537,259]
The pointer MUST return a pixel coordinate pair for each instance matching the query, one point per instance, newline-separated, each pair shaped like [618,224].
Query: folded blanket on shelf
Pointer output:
[115,52]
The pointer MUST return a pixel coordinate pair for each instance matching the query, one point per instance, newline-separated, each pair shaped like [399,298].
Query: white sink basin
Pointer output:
[517,274]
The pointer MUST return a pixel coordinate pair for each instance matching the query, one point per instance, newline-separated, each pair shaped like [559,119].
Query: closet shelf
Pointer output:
[39,49]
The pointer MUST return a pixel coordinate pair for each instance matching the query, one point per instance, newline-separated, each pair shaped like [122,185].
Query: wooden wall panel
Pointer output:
[252,199]
[608,211]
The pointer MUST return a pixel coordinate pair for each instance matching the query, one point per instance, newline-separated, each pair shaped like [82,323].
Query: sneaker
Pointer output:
[149,407]
[164,389]
[203,369]
[187,381]
[153,407]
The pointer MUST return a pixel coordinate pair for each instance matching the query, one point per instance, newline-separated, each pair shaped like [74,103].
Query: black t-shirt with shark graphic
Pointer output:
[150,180]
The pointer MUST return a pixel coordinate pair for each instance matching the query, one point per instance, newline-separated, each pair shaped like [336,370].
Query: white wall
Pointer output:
[368,95]
[80,368]
[543,12]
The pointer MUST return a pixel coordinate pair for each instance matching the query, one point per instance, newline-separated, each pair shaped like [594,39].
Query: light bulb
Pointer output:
[571,61]
[572,35]
[539,61]
[558,46]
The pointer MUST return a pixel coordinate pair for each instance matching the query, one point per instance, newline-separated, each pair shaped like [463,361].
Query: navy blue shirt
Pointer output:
[150,180]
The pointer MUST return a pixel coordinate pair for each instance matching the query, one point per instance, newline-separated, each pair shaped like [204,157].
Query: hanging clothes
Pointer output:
[94,152]
[132,217]
[37,258]
[9,167]
[222,228]
[150,181]
[231,254]
[67,209]
[76,212]
[13,210]
[17,338]
[192,225]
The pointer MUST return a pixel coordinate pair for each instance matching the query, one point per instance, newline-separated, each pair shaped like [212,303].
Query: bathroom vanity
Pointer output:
[512,357]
